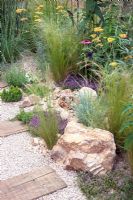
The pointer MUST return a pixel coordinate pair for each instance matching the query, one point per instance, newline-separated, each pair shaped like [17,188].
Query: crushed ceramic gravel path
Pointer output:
[18,156]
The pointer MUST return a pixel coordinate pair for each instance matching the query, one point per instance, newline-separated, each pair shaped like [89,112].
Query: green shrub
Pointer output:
[127,131]
[25,117]
[45,125]
[91,112]
[15,76]
[14,94]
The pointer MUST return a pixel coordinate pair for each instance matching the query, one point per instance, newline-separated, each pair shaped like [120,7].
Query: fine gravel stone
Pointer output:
[18,156]
[8,110]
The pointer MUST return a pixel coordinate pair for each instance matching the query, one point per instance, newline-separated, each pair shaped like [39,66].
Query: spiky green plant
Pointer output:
[62,49]
[127,131]
[117,91]
[7,30]
[45,125]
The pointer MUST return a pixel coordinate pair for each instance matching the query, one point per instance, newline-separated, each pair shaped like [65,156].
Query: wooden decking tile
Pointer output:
[11,127]
[3,84]
[32,185]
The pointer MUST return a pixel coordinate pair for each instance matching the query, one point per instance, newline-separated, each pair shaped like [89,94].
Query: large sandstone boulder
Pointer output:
[85,148]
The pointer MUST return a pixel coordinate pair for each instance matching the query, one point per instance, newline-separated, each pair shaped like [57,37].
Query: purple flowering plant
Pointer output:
[34,122]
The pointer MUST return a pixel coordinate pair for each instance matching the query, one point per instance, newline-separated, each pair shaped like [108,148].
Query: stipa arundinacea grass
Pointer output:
[127,132]
[7,29]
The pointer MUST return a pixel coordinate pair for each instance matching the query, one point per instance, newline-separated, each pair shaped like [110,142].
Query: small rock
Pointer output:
[30,101]
[35,141]
[87,91]
[63,104]
[0,142]
[64,114]
[66,98]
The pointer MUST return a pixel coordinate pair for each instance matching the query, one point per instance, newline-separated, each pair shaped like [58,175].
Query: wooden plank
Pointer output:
[23,178]
[11,127]
[3,84]
[30,188]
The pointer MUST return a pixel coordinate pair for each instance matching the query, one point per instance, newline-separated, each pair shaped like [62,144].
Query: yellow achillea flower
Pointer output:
[97,39]
[36,16]
[98,29]
[23,19]
[40,7]
[113,64]
[110,39]
[59,8]
[99,45]
[37,20]
[123,35]
[128,57]
[20,10]
[93,35]
[39,13]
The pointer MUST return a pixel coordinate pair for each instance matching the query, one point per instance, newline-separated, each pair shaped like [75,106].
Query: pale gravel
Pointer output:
[18,156]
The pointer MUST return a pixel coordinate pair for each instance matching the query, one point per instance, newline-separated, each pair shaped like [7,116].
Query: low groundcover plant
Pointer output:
[13,94]
[15,76]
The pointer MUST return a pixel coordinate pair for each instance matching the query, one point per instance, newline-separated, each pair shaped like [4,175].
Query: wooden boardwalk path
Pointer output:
[11,127]
[32,185]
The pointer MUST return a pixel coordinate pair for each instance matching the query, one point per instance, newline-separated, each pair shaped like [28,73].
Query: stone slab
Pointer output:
[11,127]
[35,184]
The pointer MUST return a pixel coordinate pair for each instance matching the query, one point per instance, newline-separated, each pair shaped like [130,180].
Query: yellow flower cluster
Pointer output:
[39,13]
[23,19]
[40,7]
[59,8]
[98,29]
[99,45]
[128,57]
[123,35]
[97,39]
[93,35]
[113,64]
[37,20]
[110,39]
[20,10]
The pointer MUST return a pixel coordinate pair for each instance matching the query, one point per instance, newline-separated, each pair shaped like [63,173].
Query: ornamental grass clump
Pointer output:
[126,131]
[8,49]
[117,92]
[45,125]
[62,49]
